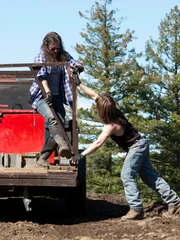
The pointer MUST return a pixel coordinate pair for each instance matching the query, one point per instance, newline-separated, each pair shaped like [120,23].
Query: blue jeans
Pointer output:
[46,112]
[137,162]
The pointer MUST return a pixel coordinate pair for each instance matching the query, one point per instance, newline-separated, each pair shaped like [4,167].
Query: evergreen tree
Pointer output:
[111,66]
[161,99]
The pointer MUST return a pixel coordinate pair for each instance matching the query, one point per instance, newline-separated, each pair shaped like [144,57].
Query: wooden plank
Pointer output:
[35,173]
[64,175]
[34,65]
[37,177]
[4,170]
[39,182]
[16,74]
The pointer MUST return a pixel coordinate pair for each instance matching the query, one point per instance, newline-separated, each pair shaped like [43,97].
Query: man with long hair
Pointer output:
[137,161]
[58,89]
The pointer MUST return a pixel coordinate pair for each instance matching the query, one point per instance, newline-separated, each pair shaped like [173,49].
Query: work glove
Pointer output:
[76,79]
[48,99]
[79,68]
[75,159]
[76,71]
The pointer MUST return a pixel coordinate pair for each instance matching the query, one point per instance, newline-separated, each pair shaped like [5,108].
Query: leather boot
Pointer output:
[133,215]
[174,209]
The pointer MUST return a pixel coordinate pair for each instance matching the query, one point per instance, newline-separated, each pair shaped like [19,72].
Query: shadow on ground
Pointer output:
[53,211]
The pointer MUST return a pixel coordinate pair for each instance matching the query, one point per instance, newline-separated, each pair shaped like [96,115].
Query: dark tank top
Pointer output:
[56,80]
[129,137]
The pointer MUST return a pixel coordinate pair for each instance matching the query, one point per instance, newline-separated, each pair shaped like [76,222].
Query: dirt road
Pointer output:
[48,221]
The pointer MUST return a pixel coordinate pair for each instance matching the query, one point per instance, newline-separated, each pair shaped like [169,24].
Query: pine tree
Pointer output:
[111,66]
[162,95]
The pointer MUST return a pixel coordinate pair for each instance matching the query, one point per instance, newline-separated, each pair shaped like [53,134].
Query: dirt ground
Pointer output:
[47,221]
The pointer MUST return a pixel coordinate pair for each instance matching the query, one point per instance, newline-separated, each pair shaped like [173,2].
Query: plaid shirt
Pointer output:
[35,92]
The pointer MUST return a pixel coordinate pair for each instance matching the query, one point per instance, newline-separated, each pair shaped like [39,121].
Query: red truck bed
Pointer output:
[21,139]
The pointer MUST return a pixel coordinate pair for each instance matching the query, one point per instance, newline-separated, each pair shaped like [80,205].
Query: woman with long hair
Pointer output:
[56,84]
[121,131]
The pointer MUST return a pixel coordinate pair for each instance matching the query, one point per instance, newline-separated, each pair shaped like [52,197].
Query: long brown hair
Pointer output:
[108,111]
[52,37]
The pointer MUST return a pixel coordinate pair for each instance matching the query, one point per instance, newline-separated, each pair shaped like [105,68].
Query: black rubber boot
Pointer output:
[49,147]
[64,150]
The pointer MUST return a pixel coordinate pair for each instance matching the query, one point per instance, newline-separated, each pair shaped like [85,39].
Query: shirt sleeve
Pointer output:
[72,61]
[42,74]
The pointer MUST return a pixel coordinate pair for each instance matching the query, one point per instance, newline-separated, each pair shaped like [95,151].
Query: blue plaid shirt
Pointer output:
[35,92]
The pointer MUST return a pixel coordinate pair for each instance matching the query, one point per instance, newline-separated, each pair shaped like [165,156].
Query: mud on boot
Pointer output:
[173,211]
[133,215]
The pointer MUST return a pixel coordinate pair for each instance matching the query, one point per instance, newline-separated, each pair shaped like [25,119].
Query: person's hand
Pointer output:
[76,79]
[48,99]
[75,159]
[79,68]
[75,74]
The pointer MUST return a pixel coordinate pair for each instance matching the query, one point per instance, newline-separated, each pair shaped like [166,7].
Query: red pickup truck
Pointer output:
[22,136]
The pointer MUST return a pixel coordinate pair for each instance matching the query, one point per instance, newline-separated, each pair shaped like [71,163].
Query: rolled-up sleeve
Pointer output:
[67,84]
[72,61]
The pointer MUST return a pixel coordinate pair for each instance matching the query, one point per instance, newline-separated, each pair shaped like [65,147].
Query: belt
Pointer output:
[135,141]
[141,137]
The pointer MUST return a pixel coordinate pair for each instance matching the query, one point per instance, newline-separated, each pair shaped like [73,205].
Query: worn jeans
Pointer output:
[50,145]
[46,112]
[137,162]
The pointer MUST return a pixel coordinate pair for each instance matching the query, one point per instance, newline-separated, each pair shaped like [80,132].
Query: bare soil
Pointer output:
[102,221]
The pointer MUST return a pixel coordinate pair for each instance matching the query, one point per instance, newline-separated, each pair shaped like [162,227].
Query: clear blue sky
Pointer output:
[25,23]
